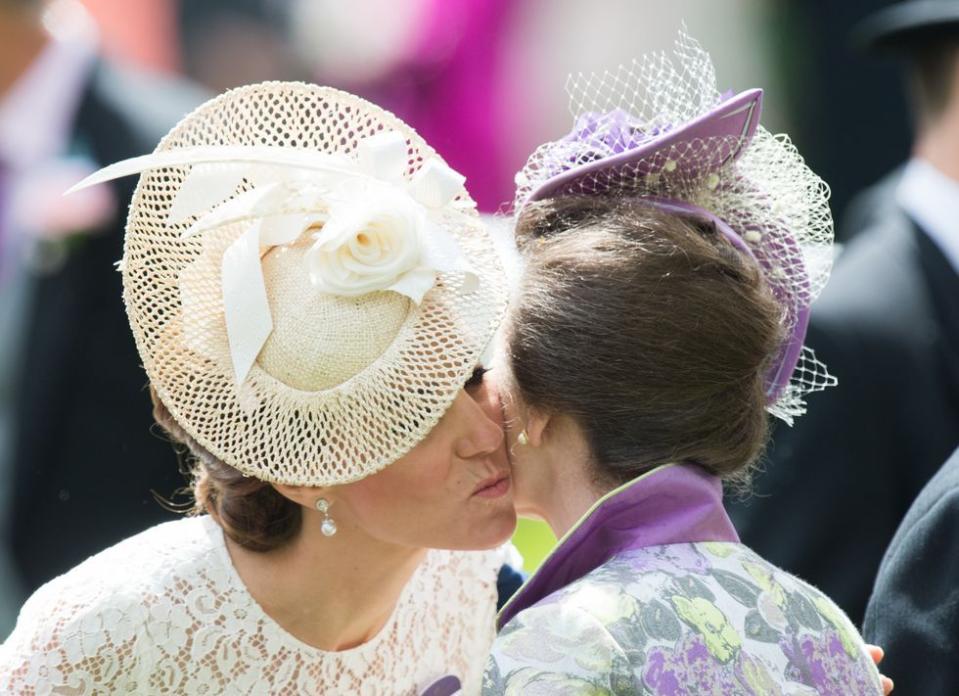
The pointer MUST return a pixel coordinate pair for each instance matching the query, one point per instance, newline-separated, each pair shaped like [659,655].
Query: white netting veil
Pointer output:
[624,142]
[334,384]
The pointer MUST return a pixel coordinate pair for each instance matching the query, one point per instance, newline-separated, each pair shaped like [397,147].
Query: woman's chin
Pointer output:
[491,533]
[505,528]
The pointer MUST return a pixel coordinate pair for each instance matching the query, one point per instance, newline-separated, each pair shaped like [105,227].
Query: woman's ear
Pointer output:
[537,423]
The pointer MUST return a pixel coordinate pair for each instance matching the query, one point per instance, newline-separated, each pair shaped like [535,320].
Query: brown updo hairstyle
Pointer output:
[652,332]
[250,511]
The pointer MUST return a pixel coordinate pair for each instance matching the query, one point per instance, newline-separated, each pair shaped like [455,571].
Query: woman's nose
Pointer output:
[482,435]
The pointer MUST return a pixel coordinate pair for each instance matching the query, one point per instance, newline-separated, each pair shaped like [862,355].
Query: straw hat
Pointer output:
[308,284]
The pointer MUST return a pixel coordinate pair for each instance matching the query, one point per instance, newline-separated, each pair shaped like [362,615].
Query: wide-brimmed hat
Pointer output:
[907,25]
[308,283]
[659,130]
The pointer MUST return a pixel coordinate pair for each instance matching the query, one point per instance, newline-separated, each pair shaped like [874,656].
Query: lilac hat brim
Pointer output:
[732,122]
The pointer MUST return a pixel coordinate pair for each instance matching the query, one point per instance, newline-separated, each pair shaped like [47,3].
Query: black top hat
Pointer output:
[904,26]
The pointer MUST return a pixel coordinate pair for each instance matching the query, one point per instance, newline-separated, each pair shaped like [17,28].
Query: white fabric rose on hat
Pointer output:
[372,240]
[378,237]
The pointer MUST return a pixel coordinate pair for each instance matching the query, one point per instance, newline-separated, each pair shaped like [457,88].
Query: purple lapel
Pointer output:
[673,504]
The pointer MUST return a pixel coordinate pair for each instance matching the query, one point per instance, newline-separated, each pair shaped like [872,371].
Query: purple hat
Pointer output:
[731,125]
[681,146]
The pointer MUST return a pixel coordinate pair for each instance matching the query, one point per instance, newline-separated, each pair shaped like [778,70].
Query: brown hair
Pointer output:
[654,334]
[250,511]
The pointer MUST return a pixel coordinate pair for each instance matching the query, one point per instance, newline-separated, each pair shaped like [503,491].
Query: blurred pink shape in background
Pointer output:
[142,32]
[438,66]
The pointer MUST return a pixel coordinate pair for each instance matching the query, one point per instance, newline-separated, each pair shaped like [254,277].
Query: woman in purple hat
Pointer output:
[672,250]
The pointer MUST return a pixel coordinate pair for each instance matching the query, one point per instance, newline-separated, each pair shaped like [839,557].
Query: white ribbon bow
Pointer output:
[378,230]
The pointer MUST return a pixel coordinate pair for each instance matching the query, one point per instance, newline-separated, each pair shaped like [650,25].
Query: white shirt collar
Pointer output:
[931,199]
[37,112]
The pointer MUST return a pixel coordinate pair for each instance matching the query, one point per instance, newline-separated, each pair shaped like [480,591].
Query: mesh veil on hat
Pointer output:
[658,129]
[248,284]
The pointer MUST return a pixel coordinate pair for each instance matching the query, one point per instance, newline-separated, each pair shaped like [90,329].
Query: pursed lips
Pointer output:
[493,486]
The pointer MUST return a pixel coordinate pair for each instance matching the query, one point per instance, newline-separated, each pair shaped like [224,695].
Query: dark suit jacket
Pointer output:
[838,483]
[914,609]
[86,463]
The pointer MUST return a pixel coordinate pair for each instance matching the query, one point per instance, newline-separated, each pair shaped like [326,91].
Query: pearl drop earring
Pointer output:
[328,526]
[522,438]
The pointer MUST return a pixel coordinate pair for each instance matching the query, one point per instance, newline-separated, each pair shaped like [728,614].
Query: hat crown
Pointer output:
[319,340]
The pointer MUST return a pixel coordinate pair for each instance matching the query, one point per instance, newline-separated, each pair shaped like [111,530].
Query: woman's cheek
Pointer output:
[430,476]
[421,475]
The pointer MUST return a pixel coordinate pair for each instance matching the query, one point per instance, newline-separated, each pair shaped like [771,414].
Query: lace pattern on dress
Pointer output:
[164,612]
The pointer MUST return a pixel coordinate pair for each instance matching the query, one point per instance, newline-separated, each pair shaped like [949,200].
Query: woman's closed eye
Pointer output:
[476,379]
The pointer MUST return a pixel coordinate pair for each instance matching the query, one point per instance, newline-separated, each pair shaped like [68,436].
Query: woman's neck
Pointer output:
[568,503]
[566,489]
[333,593]
[939,144]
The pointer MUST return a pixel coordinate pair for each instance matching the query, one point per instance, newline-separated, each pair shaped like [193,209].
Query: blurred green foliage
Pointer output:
[534,540]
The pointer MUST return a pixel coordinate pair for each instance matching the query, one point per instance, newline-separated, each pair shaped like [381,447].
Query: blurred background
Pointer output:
[481,80]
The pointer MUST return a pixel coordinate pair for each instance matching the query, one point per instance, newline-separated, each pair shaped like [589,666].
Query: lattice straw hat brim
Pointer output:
[271,427]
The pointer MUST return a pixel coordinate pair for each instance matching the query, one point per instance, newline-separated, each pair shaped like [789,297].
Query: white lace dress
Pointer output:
[165,612]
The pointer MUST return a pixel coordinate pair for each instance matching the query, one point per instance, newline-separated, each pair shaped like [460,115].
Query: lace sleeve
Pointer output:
[71,640]
[556,649]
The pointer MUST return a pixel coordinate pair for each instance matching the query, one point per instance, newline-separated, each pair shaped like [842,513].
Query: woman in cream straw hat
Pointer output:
[311,292]
[672,250]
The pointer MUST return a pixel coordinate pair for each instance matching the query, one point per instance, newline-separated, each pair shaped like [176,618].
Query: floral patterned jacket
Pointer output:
[652,593]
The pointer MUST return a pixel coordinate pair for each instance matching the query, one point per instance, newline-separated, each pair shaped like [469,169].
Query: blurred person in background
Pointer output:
[823,74]
[839,483]
[78,463]
[228,43]
[914,608]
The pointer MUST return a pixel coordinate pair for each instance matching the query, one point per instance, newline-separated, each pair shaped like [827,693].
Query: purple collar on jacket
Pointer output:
[672,504]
